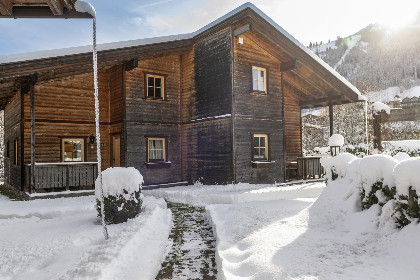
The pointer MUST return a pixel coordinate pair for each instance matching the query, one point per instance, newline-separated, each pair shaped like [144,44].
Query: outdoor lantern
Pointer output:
[335,142]
[91,139]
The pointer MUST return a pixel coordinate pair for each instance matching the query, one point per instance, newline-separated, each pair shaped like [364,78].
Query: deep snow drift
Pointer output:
[62,239]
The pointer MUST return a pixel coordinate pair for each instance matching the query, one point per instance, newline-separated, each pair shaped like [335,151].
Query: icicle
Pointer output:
[98,134]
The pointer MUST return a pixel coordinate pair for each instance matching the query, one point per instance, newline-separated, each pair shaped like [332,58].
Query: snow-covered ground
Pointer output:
[62,239]
[280,235]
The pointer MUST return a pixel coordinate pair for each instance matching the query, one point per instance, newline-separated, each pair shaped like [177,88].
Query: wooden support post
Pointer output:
[331,114]
[377,136]
[32,184]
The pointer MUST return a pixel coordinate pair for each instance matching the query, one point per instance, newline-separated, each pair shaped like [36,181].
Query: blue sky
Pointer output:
[307,21]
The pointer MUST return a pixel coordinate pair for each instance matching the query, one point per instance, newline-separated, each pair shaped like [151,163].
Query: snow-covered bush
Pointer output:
[377,184]
[407,179]
[337,166]
[122,194]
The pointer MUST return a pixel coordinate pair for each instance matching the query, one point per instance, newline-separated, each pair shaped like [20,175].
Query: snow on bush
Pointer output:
[410,147]
[337,166]
[400,156]
[336,140]
[379,107]
[122,194]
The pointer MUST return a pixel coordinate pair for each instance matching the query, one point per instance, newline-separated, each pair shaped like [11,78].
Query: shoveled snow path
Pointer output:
[192,254]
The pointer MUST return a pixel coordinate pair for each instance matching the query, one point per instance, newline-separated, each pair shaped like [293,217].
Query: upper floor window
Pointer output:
[260,147]
[259,79]
[73,149]
[156,149]
[155,86]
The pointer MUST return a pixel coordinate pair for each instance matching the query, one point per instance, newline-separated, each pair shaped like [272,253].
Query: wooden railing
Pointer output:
[309,167]
[62,175]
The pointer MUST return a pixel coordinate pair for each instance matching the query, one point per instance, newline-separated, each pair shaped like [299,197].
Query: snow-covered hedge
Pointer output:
[122,194]
[382,180]
[407,179]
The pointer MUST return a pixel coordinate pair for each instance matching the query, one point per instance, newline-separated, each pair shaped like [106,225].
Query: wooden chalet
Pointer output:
[220,105]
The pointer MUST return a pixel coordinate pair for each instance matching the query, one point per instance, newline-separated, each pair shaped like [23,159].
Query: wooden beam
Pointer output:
[6,7]
[56,7]
[331,115]
[68,4]
[32,184]
[131,64]
[289,65]
[305,87]
[241,30]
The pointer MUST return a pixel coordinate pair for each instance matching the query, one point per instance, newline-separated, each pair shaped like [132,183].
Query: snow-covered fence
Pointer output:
[380,179]
[122,194]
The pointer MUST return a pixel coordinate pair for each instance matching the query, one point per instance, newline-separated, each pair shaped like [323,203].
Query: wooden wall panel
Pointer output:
[12,131]
[138,108]
[293,127]
[137,151]
[265,173]
[208,149]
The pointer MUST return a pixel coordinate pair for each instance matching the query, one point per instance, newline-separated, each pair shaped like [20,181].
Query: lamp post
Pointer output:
[70,9]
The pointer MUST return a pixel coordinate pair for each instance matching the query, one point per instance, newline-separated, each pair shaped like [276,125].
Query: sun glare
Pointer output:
[398,14]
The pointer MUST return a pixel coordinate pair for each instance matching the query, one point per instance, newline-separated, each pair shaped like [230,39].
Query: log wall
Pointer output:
[206,110]
[12,131]
[256,112]
[147,117]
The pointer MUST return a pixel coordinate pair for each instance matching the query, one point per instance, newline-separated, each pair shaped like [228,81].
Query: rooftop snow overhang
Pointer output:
[313,81]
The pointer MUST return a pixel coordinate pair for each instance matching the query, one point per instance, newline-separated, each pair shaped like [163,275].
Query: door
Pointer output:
[116,146]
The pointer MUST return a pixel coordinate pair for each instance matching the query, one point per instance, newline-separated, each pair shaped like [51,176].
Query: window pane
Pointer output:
[262,153]
[158,92]
[261,86]
[72,150]
[150,82]
[262,142]
[256,142]
[150,91]
[158,82]
[254,73]
[152,144]
[256,152]
[159,154]
[159,144]
[261,74]
[254,85]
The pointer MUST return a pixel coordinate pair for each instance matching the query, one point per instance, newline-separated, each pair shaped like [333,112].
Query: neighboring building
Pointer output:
[219,105]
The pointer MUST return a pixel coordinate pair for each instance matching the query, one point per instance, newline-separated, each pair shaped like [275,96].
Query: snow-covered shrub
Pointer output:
[377,184]
[122,194]
[407,179]
[410,147]
[337,166]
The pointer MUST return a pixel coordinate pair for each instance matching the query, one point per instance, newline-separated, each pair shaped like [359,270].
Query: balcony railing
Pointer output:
[62,175]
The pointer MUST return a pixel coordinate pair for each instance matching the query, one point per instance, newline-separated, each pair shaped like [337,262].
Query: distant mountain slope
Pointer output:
[375,58]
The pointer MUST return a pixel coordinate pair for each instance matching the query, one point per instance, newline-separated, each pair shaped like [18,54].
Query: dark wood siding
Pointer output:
[207,103]
[257,113]
[12,131]
[293,127]
[154,118]
[65,108]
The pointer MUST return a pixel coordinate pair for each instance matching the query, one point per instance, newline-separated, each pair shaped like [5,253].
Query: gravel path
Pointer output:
[192,255]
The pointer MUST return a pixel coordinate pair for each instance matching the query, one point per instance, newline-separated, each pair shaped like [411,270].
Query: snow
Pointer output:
[376,168]
[351,42]
[407,175]
[85,7]
[393,94]
[379,107]
[408,146]
[324,238]
[338,164]
[120,181]
[400,156]
[62,239]
[202,195]
[336,140]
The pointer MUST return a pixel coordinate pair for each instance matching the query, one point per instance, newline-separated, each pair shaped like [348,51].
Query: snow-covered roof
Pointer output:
[133,43]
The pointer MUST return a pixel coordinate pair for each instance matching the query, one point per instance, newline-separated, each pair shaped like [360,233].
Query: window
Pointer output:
[156,149]
[15,153]
[155,86]
[73,149]
[260,148]
[259,79]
